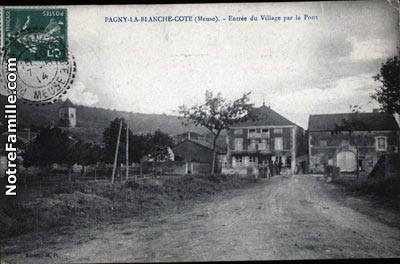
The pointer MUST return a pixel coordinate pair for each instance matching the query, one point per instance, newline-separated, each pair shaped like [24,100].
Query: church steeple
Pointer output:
[67,114]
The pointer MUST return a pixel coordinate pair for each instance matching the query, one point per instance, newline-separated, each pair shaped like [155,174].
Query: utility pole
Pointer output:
[127,151]
[116,153]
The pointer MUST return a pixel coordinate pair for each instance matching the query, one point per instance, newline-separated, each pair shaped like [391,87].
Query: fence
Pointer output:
[37,178]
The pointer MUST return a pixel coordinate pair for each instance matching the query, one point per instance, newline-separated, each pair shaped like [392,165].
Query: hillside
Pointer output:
[93,120]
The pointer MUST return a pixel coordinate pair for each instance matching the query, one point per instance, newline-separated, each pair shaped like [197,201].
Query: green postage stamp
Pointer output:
[37,38]
[35,34]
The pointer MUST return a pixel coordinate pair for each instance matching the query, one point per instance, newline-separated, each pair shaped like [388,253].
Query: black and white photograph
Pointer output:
[200,132]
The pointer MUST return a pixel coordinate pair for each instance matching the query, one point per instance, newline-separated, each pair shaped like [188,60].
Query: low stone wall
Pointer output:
[242,171]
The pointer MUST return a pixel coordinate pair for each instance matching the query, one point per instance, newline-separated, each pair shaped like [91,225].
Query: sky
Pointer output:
[297,67]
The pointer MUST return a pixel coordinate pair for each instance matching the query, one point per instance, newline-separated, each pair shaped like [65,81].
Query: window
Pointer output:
[345,143]
[323,143]
[252,159]
[258,144]
[252,133]
[264,133]
[238,144]
[238,162]
[381,143]
[278,143]
[253,144]
[278,130]
[238,131]
[263,144]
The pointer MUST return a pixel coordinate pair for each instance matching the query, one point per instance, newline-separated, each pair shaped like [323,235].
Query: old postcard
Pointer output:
[200,132]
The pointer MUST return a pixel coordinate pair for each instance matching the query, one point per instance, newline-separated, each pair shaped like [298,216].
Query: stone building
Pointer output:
[373,134]
[265,138]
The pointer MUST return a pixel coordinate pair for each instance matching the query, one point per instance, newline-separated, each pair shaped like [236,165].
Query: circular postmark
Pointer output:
[45,68]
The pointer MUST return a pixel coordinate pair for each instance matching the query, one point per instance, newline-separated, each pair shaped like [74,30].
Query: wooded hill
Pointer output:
[93,120]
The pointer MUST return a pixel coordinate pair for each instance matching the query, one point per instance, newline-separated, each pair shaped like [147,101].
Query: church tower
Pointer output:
[67,114]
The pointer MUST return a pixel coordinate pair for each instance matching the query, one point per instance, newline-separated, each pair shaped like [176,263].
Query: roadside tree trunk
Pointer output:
[214,152]
[213,162]
[356,146]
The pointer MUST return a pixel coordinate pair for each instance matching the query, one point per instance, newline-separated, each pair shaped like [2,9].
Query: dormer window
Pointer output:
[381,143]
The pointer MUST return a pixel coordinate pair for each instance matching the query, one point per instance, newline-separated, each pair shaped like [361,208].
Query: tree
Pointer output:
[87,154]
[52,145]
[158,147]
[110,136]
[138,147]
[388,94]
[351,125]
[216,114]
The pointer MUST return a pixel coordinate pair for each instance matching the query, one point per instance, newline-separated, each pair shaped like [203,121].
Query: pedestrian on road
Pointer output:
[267,167]
[278,172]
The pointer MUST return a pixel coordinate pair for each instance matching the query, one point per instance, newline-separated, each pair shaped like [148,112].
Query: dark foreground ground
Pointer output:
[285,217]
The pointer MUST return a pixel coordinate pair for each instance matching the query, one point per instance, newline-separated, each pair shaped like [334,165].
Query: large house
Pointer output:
[372,135]
[265,138]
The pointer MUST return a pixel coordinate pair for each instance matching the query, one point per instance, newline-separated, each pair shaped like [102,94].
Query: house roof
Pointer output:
[67,104]
[185,134]
[203,143]
[23,135]
[364,121]
[264,116]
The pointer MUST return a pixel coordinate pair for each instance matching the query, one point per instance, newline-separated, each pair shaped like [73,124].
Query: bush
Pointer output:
[385,188]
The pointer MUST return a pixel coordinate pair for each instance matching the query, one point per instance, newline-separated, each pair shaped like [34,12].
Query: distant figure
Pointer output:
[267,167]
[299,168]
[271,168]
[280,167]
[276,167]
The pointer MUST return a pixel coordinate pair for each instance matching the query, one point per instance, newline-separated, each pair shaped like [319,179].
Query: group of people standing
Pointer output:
[272,168]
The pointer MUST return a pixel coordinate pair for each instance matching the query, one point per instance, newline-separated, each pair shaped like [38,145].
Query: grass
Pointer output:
[385,188]
[80,204]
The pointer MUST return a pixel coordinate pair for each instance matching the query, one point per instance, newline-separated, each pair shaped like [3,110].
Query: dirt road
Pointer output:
[285,217]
